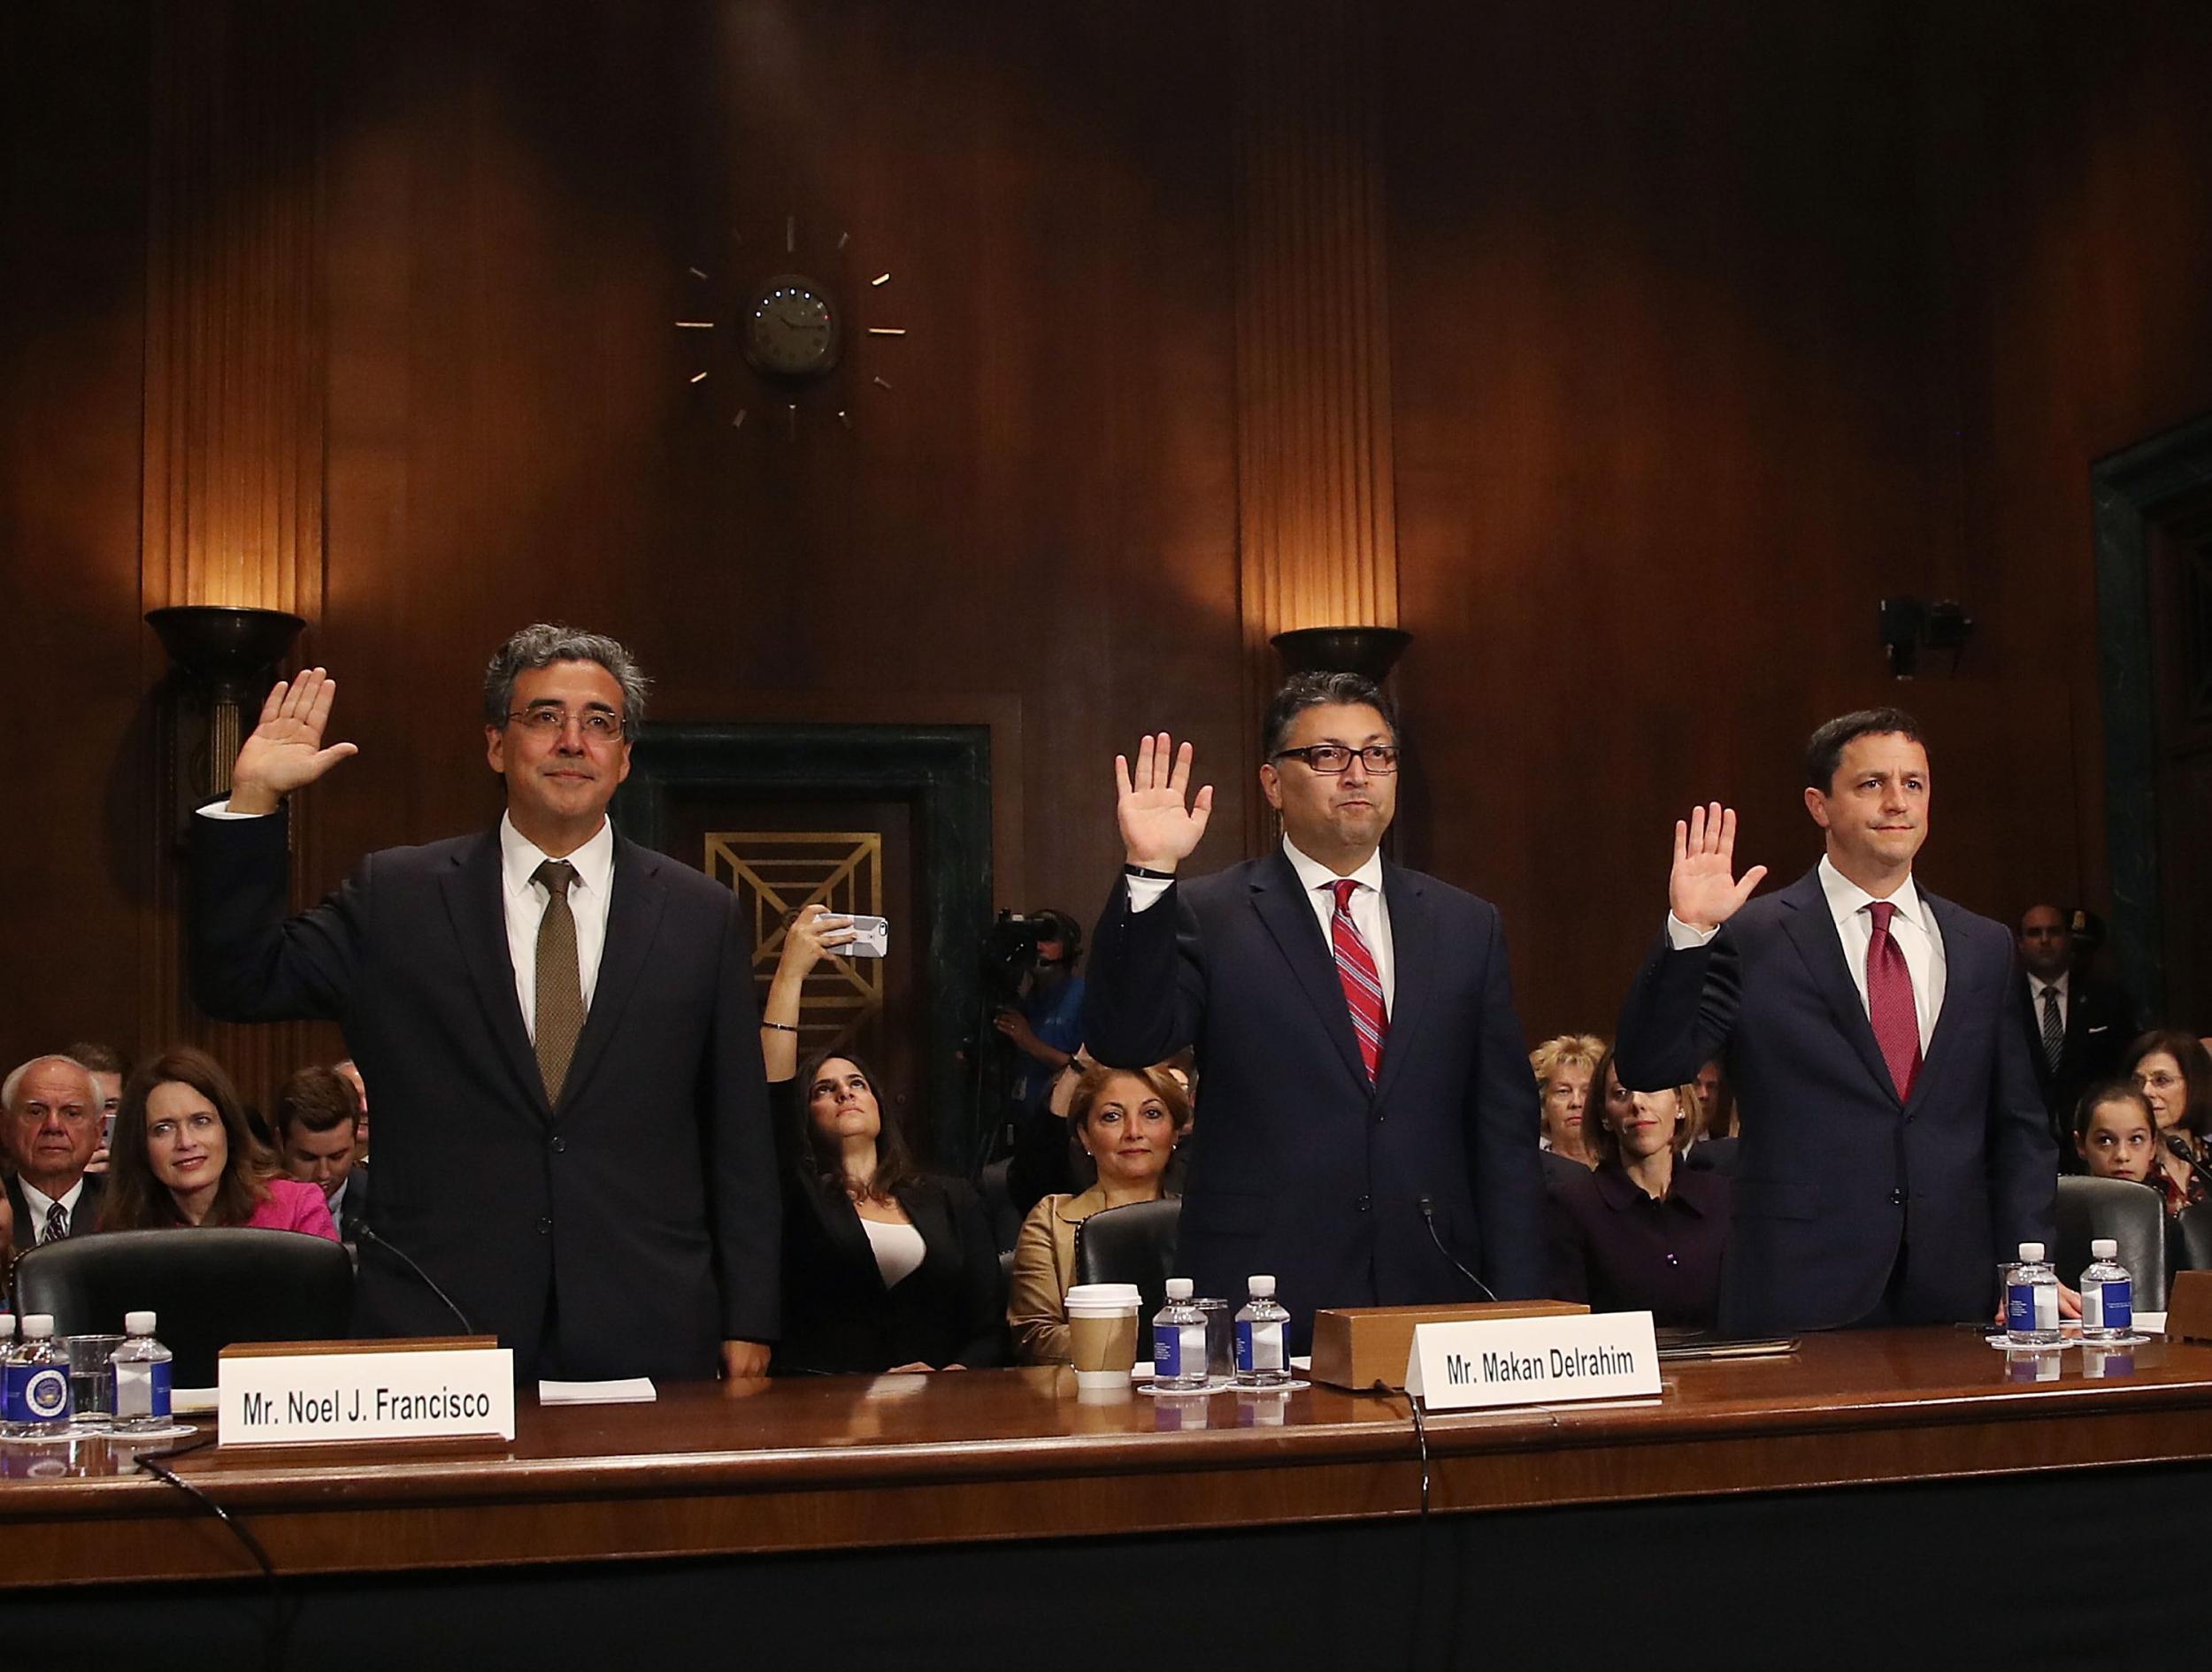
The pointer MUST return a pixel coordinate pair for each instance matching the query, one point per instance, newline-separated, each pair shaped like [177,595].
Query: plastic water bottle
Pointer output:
[1263,1338]
[1178,1340]
[7,1364]
[2031,1300]
[2107,1294]
[37,1383]
[141,1370]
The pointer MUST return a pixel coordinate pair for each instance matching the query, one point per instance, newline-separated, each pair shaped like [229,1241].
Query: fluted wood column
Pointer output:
[1316,514]
[233,494]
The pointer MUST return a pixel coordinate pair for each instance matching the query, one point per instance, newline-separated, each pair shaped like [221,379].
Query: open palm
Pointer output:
[1702,890]
[1157,828]
[285,750]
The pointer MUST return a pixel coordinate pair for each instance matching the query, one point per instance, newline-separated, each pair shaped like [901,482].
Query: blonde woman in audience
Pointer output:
[184,1155]
[1640,1231]
[1128,1121]
[1563,1065]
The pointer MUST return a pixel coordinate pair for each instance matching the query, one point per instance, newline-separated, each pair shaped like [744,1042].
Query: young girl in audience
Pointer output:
[183,1155]
[886,1266]
[2114,1133]
[1129,1121]
[2174,1074]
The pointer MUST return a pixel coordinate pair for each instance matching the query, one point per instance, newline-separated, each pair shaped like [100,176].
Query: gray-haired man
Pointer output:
[573,1133]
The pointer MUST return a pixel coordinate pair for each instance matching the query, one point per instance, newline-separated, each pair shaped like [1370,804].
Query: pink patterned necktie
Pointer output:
[1363,985]
[1889,1001]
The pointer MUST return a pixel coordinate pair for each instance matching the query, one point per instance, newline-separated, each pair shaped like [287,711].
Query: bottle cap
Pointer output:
[1262,1287]
[139,1322]
[7,1326]
[2104,1248]
[2031,1251]
[1179,1288]
[38,1325]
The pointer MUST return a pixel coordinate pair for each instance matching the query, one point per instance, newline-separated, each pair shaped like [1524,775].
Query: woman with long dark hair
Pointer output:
[886,1266]
[184,1154]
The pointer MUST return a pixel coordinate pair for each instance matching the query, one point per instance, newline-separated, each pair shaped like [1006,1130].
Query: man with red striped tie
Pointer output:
[1893,1145]
[1367,1124]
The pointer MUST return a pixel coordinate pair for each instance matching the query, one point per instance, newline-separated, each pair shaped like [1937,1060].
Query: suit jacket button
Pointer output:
[545,1227]
[1897,1199]
[1362,1204]
[559,1144]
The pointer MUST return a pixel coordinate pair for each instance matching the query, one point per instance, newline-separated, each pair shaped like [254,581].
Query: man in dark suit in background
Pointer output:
[2077,1026]
[52,1108]
[573,1136]
[1894,1148]
[1367,1121]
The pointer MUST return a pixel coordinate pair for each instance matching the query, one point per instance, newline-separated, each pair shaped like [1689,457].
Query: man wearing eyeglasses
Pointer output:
[572,1132]
[1367,1122]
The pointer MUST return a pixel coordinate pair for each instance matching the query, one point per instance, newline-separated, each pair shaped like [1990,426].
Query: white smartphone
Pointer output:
[871,939]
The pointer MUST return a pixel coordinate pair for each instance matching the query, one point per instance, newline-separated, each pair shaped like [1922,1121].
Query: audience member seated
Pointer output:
[1128,1122]
[885,1267]
[1563,1065]
[185,1155]
[2174,1074]
[1712,1145]
[52,1113]
[318,1144]
[2115,1135]
[105,1063]
[348,1072]
[1640,1231]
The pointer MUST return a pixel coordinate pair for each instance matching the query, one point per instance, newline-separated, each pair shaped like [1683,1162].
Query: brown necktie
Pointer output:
[560,986]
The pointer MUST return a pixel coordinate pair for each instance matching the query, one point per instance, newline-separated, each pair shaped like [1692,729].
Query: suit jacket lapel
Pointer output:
[1812,930]
[1958,971]
[1412,932]
[479,922]
[1280,901]
[633,918]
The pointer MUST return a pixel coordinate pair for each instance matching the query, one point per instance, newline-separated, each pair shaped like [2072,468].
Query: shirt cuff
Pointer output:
[212,811]
[1145,892]
[1682,937]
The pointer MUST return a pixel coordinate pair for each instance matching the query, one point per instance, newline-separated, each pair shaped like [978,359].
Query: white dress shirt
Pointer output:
[2038,986]
[36,1202]
[1371,912]
[1913,929]
[524,900]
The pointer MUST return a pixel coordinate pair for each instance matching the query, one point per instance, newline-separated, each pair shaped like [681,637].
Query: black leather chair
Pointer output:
[2131,1215]
[2193,1238]
[209,1287]
[1135,1244]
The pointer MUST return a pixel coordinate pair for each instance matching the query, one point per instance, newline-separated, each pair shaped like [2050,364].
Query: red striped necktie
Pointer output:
[1889,1001]
[1363,985]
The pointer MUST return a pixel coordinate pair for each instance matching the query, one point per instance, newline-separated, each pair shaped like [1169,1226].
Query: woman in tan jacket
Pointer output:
[1129,1121]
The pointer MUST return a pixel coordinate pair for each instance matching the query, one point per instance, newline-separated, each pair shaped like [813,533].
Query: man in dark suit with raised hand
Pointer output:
[1367,1122]
[573,1131]
[1894,1148]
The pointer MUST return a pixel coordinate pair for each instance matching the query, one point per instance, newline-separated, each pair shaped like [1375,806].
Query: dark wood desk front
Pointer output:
[814,1464]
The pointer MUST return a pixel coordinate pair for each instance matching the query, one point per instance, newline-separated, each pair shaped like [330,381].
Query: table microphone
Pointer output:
[408,1259]
[2174,1143]
[1428,1217]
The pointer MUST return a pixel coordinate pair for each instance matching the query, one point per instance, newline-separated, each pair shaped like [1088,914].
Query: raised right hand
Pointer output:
[285,751]
[1702,890]
[1158,830]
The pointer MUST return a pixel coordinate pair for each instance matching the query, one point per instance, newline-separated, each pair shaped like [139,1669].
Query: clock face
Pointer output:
[789,329]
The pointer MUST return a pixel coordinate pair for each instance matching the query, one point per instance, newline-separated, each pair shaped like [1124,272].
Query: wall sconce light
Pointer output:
[224,659]
[1909,626]
[1369,651]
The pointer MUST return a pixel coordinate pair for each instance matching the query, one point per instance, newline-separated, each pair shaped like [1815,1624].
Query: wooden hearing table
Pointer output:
[1914,1445]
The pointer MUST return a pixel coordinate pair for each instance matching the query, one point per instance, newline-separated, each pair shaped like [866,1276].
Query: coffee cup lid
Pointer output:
[1105,1297]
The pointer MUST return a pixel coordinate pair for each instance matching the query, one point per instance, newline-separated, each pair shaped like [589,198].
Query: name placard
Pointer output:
[1603,1355]
[293,1394]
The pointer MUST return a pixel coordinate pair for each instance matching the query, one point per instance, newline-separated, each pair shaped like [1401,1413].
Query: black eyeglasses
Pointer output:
[1329,759]
[598,726]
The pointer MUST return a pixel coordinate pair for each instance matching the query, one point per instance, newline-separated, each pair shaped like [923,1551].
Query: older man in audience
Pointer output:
[53,1126]
[317,1114]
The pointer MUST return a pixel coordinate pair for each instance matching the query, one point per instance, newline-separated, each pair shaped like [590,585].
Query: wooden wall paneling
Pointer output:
[1317,513]
[233,488]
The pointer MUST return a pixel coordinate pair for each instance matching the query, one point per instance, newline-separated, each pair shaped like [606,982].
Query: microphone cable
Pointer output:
[393,1248]
[1428,1218]
[154,1463]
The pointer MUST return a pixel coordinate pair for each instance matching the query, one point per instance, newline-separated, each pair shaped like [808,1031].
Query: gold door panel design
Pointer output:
[778,873]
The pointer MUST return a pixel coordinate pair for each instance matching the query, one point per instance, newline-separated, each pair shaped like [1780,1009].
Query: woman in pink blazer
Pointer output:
[183,1155]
